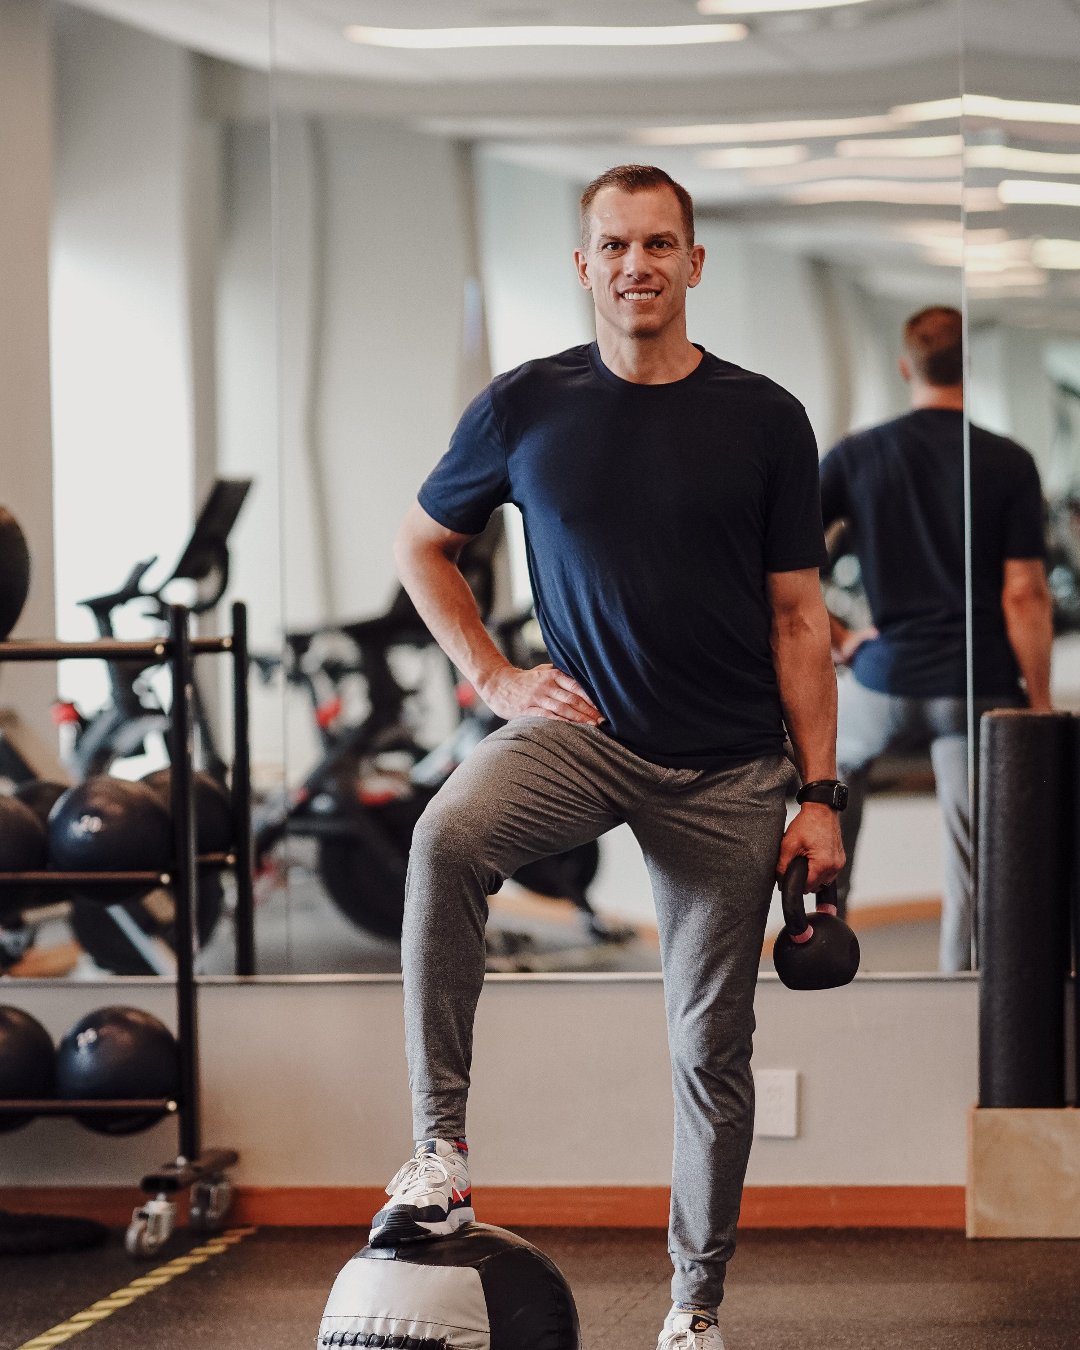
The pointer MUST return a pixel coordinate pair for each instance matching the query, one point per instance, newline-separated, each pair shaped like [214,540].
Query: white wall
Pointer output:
[572,1083]
[528,223]
[126,266]
[26,478]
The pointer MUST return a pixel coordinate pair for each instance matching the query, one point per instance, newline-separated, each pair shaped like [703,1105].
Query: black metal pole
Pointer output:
[241,796]
[185,881]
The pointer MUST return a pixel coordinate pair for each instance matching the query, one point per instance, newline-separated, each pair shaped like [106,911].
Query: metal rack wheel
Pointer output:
[211,1200]
[151,1227]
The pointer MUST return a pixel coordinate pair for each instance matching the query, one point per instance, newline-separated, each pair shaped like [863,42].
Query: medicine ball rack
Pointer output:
[201,1170]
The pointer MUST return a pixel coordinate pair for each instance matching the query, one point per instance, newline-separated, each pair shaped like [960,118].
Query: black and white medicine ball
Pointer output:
[480,1289]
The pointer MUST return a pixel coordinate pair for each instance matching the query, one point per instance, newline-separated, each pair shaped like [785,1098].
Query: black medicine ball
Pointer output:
[116,1054]
[40,795]
[110,825]
[480,1289]
[22,849]
[213,809]
[26,1063]
[14,572]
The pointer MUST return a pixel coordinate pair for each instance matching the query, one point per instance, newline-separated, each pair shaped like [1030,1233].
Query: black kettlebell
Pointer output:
[815,952]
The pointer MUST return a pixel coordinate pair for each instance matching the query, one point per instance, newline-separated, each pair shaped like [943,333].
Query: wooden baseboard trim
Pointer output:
[539,1206]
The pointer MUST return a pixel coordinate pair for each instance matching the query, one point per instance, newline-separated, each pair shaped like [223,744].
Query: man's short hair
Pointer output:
[636,178]
[934,344]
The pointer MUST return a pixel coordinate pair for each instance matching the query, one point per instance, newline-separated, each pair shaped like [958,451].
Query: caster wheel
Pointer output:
[210,1203]
[150,1228]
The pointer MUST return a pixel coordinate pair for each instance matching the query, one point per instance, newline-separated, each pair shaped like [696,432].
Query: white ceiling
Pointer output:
[307,36]
[572,111]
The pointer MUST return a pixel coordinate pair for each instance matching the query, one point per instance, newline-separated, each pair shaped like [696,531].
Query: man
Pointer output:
[671,513]
[901,488]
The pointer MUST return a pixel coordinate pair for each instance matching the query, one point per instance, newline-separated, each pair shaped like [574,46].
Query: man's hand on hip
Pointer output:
[815,832]
[543,691]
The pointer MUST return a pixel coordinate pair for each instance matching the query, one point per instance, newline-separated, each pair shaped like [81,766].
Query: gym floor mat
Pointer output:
[848,1290]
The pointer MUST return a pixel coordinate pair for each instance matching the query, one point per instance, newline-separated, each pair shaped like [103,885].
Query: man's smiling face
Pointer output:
[639,262]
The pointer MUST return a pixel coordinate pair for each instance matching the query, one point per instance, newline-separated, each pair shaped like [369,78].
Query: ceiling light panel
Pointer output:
[752,156]
[902,147]
[1014,159]
[1034,192]
[1020,110]
[869,168]
[736,133]
[1056,254]
[545,35]
[892,192]
[771,6]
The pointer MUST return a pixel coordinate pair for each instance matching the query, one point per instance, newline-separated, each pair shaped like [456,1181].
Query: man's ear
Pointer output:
[581,262]
[904,367]
[697,262]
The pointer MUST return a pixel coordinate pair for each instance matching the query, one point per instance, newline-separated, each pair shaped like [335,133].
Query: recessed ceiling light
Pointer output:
[903,147]
[878,190]
[740,132]
[1056,254]
[991,108]
[1035,192]
[752,156]
[1029,161]
[936,110]
[1020,110]
[546,35]
[869,168]
[1025,277]
[768,6]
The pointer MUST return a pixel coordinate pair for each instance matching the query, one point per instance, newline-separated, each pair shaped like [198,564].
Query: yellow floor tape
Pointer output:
[145,1284]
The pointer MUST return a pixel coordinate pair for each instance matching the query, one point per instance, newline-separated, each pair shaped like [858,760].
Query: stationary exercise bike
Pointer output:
[136,937]
[374,778]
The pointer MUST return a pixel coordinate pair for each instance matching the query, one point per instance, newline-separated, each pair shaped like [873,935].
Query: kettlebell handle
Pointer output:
[792,898]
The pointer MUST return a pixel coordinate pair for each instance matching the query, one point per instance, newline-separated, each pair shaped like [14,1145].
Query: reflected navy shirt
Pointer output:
[901,487]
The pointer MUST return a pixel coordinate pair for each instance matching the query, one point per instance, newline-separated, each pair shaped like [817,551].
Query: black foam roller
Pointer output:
[1026,806]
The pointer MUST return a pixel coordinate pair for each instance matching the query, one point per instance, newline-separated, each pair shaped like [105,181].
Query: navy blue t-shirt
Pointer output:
[901,487]
[652,514]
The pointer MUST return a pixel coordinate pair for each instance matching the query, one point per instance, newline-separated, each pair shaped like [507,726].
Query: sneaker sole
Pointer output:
[402,1227]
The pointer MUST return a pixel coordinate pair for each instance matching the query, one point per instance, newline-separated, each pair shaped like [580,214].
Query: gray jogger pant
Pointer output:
[710,839]
[868,724]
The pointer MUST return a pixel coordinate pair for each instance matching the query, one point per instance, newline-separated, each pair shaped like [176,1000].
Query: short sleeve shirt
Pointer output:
[652,515]
[901,488]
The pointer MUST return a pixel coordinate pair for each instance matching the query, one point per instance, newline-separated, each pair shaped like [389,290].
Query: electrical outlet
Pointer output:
[776,1114]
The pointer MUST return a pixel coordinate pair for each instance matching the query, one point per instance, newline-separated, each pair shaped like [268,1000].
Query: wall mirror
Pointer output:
[426,186]
[163,379]
[1022,275]
[352,257]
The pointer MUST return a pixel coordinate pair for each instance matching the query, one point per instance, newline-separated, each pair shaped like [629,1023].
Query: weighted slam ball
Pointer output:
[14,572]
[22,849]
[110,825]
[113,1054]
[27,1060]
[213,808]
[481,1289]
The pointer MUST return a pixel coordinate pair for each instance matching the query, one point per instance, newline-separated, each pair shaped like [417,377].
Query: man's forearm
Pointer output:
[807,681]
[447,606]
[1030,627]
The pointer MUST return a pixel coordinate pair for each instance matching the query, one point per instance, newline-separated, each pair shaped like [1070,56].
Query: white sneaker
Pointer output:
[688,1331]
[429,1197]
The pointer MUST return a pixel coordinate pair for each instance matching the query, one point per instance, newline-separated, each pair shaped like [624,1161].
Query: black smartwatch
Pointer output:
[826,791]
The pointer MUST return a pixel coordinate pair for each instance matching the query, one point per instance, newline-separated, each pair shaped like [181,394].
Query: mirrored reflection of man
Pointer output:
[900,487]
[670,502]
